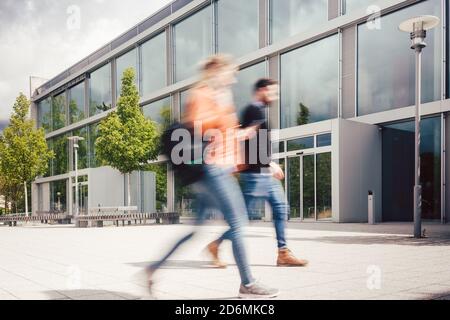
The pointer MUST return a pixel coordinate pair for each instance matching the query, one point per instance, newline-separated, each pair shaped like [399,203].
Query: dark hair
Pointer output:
[263,83]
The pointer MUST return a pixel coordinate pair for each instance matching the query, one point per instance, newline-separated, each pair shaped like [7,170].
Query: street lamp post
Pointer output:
[417,28]
[75,141]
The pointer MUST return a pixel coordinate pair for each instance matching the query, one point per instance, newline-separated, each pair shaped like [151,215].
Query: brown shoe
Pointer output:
[213,249]
[287,259]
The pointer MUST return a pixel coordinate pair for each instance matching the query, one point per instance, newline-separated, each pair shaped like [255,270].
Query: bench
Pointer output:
[98,216]
[12,220]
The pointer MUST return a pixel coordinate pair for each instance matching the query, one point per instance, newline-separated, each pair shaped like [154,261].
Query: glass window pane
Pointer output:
[93,134]
[238,26]
[58,196]
[310,83]
[128,60]
[45,115]
[300,144]
[82,150]
[324,140]
[386,64]
[49,171]
[294,187]
[100,90]
[289,17]
[184,199]
[159,112]
[193,43]
[160,171]
[352,5]
[183,100]
[61,160]
[398,170]
[278,147]
[59,111]
[154,64]
[76,103]
[243,89]
[324,203]
[309,207]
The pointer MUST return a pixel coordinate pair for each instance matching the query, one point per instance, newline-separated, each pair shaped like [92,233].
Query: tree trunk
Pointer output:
[26,199]
[129,190]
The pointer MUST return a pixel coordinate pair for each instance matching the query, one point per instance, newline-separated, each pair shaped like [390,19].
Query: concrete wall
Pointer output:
[360,170]
[148,192]
[106,187]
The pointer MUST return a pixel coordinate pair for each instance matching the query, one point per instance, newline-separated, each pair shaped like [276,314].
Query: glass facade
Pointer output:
[59,111]
[243,89]
[159,112]
[290,17]
[153,69]
[238,26]
[324,140]
[323,174]
[398,170]
[83,148]
[300,144]
[58,196]
[128,60]
[61,150]
[93,134]
[76,103]
[193,43]
[352,5]
[184,199]
[160,171]
[45,115]
[386,64]
[310,83]
[100,90]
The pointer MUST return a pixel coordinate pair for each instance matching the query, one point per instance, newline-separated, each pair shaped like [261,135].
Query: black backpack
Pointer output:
[188,173]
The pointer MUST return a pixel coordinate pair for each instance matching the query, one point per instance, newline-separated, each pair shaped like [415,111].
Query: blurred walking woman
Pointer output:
[211,111]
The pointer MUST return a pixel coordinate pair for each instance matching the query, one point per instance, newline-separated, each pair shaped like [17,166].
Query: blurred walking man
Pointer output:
[261,177]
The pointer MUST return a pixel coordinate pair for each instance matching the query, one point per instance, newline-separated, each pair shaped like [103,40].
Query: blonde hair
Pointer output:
[214,64]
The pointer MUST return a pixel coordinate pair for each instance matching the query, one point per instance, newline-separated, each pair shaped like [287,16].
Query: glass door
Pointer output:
[309,186]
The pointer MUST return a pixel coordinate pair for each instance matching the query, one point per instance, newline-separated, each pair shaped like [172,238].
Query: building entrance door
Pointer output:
[83,189]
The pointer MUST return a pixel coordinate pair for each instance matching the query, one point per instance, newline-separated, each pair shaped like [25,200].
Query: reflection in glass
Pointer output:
[100,90]
[76,103]
[82,149]
[398,170]
[45,115]
[352,5]
[49,171]
[61,150]
[59,111]
[243,89]
[294,187]
[58,196]
[161,185]
[324,140]
[154,64]
[386,64]
[184,199]
[193,43]
[308,188]
[183,100]
[94,162]
[159,112]
[238,26]
[300,144]
[128,60]
[289,17]
[324,186]
[310,83]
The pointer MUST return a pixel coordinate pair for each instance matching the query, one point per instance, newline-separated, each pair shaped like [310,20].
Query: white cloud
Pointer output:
[35,40]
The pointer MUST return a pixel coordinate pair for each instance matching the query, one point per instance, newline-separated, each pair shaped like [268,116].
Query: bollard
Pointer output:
[371,208]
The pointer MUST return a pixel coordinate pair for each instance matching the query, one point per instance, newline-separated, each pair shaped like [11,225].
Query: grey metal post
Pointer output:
[76,181]
[417,185]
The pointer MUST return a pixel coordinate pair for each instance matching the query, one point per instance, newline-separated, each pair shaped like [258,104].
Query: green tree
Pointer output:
[303,115]
[24,154]
[126,140]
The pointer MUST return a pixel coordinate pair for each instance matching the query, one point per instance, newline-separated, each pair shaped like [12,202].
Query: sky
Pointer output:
[42,38]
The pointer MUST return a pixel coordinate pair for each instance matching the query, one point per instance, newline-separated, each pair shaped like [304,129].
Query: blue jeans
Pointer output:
[219,189]
[259,186]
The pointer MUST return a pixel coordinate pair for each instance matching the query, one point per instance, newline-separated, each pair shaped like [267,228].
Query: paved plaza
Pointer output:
[347,261]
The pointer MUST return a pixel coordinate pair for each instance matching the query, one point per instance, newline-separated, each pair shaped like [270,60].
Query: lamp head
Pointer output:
[417,27]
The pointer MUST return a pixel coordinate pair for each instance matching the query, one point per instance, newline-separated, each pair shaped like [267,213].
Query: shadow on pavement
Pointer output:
[377,240]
